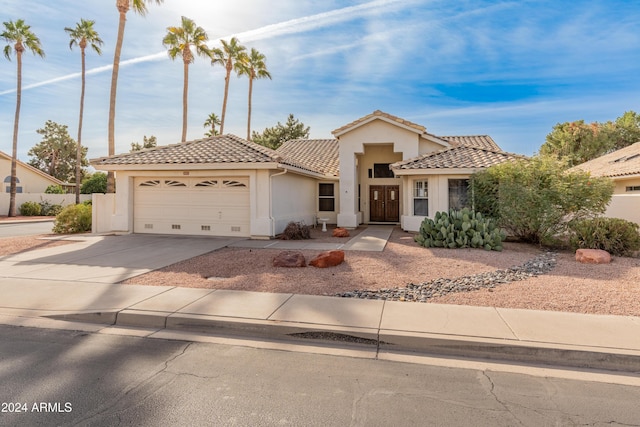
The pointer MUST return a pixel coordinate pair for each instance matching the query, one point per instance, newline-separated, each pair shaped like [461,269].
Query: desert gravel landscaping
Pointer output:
[572,287]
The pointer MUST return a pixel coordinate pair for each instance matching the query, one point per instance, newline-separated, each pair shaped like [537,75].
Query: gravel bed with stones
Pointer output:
[422,292]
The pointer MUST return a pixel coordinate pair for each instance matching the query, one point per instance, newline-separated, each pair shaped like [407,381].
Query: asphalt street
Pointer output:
[54,377]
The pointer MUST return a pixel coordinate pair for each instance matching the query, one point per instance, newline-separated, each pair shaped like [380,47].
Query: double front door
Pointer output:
[384,201]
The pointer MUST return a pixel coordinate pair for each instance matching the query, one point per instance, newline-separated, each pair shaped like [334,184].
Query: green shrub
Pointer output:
[49,209]
[534,199]
[460,229]
[55,189]
[30,209]
[73,219]
[616,236]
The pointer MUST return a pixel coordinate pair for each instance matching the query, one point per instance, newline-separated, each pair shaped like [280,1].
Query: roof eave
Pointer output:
[186,166]
[436,171]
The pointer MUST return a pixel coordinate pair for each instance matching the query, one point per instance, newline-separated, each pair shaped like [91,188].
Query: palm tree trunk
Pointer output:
[14,152]
[79,146]
[112,99]
[185,93]
[249,109]
[224,101]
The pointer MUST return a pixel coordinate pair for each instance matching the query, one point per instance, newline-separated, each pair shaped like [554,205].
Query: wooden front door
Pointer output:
[384,201]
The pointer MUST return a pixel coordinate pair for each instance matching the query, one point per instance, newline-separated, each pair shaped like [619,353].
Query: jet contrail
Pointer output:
[292,26]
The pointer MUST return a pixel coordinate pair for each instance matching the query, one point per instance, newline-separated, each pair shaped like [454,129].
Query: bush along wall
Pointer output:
[460,229]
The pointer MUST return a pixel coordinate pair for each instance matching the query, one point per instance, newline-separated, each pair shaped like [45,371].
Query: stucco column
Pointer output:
[348,216]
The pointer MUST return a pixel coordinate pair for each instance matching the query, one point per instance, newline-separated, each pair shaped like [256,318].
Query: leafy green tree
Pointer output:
[123,6]
[275,136]
[253,66]
[231,54]
[150,142]
[55,189]
[179,41]
[578,142]
[212,121]
[535,199]
[82,35]
[19,37]
[56,153]
[96,183]
[627,129]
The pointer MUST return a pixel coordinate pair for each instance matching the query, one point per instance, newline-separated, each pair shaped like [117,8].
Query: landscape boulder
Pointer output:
[340,232]
[593,256]
[328,259]
[289,259]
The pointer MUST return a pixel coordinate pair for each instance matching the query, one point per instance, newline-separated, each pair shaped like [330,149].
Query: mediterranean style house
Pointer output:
[378,169]
[623,168]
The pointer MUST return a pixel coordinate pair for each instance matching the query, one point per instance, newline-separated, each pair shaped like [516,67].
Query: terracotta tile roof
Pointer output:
[462,157]
[480,141]
[217,149]
[319,154]
[379,113]
[623,162]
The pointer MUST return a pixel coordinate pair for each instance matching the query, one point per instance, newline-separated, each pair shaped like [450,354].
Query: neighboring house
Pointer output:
[379,169]
[623,167]
[28,178]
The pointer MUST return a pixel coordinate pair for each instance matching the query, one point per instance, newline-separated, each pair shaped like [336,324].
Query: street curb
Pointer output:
[561,355]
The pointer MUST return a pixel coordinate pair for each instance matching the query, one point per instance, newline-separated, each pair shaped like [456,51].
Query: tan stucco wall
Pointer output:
[427,146]
[30,181]
[294,198]
[622,184]
[625,206]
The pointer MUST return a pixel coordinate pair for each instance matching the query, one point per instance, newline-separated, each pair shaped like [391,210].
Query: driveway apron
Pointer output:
[107,259]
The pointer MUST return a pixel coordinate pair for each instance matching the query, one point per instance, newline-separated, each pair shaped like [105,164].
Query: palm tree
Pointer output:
[82,35]
[123,6]
[179,41]
[231,53]
[254,67]
[19,37]
[212,120]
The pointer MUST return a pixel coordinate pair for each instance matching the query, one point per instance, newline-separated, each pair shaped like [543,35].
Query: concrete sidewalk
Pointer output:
[565,339]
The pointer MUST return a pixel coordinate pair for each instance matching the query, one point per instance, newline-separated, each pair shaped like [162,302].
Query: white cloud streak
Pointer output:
[292,26]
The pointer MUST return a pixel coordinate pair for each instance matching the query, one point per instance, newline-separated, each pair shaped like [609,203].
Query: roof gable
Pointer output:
[33,169]
[620,163]
[380,115]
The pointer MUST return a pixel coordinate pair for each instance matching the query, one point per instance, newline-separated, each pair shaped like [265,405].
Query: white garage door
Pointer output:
[195,206]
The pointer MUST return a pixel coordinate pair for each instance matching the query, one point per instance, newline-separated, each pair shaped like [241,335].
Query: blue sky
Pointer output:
[509,69]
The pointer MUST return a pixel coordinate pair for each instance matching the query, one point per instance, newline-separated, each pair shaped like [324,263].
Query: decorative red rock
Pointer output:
[328,259]
[340,232]
[289,259]
[593,256]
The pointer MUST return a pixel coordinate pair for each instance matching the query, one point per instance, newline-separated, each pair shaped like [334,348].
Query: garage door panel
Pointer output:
[196,206]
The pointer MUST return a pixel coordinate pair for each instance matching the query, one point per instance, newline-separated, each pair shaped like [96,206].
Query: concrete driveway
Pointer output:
[106,259]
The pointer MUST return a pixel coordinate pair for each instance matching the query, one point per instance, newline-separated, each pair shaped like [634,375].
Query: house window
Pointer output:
[421,198]
[381,170]
[7,181]
[458,193]
[326,198]
[633,188]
